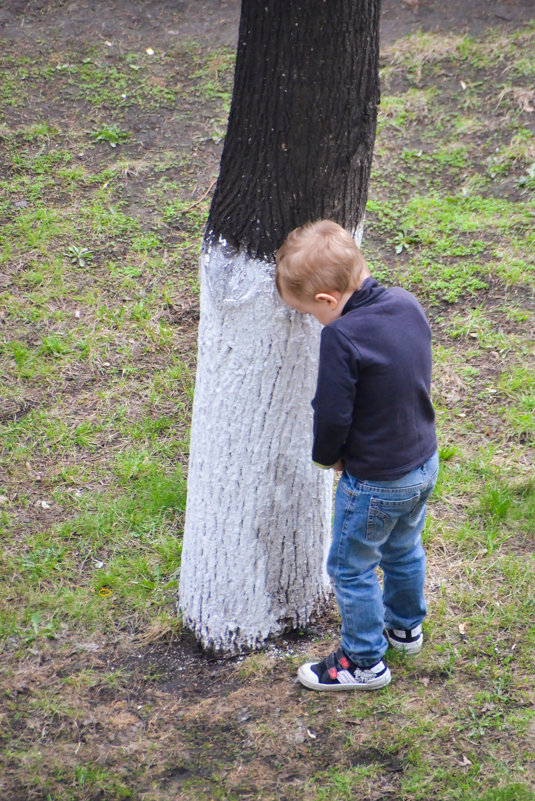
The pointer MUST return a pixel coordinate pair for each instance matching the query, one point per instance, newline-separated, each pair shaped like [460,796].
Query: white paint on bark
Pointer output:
[258,511]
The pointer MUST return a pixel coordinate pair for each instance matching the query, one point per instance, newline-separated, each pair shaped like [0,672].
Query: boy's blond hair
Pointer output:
[318,257]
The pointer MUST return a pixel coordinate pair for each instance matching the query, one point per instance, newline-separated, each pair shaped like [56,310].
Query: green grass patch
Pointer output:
[120,550]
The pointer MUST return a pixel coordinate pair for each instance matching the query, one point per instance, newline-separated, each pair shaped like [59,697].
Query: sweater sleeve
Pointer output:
[334,400]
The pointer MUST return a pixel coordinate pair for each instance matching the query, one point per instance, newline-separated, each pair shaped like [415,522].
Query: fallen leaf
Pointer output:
[524,99]
[462,628]
[465,761]
[88,646]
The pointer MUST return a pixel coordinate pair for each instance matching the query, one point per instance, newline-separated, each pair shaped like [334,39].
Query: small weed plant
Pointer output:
[112,134]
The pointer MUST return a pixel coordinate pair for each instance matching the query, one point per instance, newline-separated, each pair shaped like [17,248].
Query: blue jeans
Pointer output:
[379,523]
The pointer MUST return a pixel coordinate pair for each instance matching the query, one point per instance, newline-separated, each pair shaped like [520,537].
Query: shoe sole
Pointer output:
[408,647]
[374,684]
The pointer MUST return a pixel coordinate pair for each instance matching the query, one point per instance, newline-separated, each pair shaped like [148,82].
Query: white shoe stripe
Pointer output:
[345,677]
[378,667]
[404,635]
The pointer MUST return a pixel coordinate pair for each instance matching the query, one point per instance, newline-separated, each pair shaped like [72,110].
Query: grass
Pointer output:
[68,231]
[101,229]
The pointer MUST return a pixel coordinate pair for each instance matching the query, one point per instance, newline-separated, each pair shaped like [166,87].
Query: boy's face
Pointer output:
[325,306]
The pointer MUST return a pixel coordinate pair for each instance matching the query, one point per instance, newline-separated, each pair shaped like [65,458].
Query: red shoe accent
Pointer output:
[345,663]
[333,673]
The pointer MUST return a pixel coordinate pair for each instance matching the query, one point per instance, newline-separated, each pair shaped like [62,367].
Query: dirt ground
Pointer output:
[213,701]
[25,21]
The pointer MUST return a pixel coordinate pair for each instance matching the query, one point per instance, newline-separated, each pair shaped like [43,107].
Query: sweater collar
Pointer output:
[364,295]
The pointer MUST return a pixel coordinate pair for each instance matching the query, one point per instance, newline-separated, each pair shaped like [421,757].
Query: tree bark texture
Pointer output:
[258,511]
[302,123]
[298,148]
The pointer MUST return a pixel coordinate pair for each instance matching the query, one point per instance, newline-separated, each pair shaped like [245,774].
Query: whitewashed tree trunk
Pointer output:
[258,511]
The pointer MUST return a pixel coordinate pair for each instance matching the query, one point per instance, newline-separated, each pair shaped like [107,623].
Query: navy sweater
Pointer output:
[372,405]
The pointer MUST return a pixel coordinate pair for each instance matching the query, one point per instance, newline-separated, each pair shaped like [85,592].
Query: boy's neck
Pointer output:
[362,277]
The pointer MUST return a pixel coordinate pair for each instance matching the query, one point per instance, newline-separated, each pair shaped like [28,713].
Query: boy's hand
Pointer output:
[339,466]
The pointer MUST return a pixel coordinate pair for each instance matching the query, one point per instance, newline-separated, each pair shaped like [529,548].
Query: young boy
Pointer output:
[373,420]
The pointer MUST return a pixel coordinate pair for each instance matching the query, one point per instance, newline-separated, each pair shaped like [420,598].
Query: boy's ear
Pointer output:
[329,298]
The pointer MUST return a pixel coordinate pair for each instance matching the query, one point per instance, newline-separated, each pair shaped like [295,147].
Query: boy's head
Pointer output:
[319,266]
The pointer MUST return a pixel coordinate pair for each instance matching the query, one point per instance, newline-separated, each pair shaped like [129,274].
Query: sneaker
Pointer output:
[338,672]
[408,640]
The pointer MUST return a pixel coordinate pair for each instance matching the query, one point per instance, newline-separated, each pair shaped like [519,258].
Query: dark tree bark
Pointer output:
[302,123]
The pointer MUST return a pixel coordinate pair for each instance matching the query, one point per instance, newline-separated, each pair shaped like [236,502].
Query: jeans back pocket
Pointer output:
[383,515]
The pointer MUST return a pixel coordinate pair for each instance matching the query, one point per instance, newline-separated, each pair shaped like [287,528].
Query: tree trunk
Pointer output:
[298,148]
[302,124]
